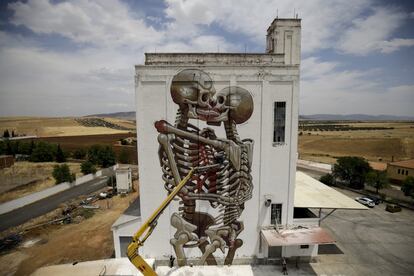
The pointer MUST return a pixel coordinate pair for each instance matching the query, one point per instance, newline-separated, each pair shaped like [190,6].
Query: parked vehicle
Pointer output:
[393,208]
[88,200]
[10,241]
[366,201]
[376,200]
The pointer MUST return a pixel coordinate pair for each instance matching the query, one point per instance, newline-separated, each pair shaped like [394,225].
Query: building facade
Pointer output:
[239,105]
[399,171]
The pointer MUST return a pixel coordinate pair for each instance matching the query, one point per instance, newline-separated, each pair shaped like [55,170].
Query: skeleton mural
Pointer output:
[225,182]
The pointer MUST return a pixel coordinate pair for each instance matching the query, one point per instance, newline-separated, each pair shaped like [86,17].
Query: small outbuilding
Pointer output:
[123,179]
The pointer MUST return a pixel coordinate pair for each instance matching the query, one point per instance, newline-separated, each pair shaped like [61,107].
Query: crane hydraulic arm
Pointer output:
[146,229]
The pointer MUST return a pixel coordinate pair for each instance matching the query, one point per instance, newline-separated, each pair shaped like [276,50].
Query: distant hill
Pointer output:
[355,117]
[128,115]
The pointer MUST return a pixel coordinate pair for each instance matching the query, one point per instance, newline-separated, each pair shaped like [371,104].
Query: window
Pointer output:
[406,172]
[276,214]
[399,171]
[304,246]
[279,121]
[124,241]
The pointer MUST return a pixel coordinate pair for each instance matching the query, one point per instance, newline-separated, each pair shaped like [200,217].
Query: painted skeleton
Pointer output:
[226,184]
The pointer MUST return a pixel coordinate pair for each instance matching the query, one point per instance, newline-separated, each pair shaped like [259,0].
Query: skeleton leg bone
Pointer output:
[183,235]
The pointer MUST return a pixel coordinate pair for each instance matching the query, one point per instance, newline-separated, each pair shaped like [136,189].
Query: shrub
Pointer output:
[61,173]
[408,186]
[123,156]
[60,156]
[87,167]
[43,152]
[103,156]
[124,142]
[327,179]
[79,154]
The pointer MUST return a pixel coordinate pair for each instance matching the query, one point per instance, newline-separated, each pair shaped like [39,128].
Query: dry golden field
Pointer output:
[374,145]
[24,178]
[88,240]
[58,126]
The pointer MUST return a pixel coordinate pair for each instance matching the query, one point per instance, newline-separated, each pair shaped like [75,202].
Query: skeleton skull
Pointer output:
[193,91]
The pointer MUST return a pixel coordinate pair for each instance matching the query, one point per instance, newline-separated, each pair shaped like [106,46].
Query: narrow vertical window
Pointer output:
[279,121]
[399,171]
[276,214]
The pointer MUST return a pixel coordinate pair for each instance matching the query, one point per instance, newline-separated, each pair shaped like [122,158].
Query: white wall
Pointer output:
[123,180]
[127,229]
[273,168]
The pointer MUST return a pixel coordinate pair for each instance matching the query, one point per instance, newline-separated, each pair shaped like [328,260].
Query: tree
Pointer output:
[327,179]
[79,153]
[43,152]
[124,142]
[32,146]
[87,167]
[6,134]
[3,147]
[377,179]
[352,170]
[61,173]
[60,156]
[94,154]
[107,157]
[123,157]
[103,156]
[408,186]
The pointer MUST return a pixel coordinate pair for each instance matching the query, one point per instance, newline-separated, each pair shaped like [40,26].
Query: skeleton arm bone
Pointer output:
[230,147]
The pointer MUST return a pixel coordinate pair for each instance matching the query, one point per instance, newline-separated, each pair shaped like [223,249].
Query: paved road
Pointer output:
[38,208]
[315,173]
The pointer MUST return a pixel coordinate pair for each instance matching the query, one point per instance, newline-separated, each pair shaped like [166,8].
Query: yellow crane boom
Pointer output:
[149,226]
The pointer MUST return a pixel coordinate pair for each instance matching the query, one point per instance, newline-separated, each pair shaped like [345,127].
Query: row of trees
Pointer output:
[97,155]
[7,134]
[37,152]
[355,172]
[100,155]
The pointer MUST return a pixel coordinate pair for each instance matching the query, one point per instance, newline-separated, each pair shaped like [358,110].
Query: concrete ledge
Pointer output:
[120,266]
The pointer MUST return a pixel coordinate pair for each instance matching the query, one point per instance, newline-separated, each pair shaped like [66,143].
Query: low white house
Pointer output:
[123,179]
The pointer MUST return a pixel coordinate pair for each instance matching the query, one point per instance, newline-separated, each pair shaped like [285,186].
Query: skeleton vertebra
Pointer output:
[228,182]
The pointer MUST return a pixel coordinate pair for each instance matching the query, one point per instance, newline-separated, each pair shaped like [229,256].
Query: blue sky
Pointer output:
[61,58]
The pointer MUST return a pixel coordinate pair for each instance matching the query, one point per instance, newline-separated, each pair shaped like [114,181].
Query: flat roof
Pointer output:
[409,164]
[310,193]
[314,235]
[378,166]
[216,59]
[132,213]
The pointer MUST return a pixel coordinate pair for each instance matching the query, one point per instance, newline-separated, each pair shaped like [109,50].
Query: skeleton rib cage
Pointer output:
[225,187]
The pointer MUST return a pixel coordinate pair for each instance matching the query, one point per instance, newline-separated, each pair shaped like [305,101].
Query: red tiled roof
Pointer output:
[406,164]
